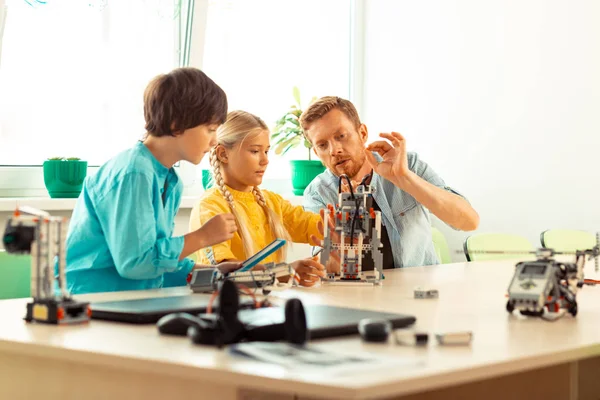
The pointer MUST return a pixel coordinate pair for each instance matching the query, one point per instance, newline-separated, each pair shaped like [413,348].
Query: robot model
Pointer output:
[35,232]
[357,232]
[547,285]
[208,280]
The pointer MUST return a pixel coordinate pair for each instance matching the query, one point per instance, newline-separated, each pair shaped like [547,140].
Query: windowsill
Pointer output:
[8,204]
[38,198]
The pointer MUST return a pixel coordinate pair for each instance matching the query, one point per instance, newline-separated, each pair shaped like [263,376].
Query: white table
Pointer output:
[510,356]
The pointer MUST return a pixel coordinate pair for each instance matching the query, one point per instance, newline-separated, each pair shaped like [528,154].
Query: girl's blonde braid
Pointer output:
[242,228]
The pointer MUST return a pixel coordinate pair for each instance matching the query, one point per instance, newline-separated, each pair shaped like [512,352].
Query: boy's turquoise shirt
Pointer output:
[120,234]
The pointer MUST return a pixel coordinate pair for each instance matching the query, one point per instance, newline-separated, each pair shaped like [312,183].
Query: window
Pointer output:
[73,72]
[258,50]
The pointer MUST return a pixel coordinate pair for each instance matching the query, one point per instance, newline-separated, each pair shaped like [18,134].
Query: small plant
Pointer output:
[64,176]
[288,133]
[64,158]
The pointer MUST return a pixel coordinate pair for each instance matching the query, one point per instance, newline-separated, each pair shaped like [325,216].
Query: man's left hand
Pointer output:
[395,162]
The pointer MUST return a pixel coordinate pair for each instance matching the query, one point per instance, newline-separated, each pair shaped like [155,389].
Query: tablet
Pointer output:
[261,255]
[150,310]
[325,321]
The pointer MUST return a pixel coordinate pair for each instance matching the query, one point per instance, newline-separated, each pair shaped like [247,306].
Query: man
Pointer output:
[403,185]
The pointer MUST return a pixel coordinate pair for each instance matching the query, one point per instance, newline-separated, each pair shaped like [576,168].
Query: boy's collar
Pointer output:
[155,163]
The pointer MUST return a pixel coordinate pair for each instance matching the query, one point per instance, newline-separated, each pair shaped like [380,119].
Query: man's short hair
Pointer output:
[322,106]
[182,99]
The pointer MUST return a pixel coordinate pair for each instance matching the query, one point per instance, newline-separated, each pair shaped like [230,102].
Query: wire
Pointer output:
[349,185]
[366,178]
[249,292]
[253,280]
[210,302]
[363,182]
[242,288]
[356,207]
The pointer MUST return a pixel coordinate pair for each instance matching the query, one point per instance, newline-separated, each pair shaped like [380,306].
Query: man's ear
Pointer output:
[363,133]
[222,154]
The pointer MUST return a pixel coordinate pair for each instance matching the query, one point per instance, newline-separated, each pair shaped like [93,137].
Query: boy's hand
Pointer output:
[228,266]
[308,270]
[218,229]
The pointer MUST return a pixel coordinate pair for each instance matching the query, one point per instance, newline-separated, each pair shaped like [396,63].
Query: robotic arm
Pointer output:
[35,232]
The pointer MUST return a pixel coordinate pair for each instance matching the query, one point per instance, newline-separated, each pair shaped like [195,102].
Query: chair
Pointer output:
[441,246]
[15,275]
[498,242]
[567,239]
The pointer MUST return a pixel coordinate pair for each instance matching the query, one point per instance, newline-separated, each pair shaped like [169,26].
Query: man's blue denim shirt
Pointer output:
[407,221]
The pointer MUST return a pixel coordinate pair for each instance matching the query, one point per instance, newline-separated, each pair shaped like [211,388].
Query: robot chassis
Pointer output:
[359,229]
[208,280]
[548,285]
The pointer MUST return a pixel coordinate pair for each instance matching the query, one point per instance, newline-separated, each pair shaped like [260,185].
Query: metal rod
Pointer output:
[596,266]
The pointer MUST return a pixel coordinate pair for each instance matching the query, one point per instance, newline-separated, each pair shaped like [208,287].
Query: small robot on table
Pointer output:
[547,286]
[35,232]
[358,227]
[208,280]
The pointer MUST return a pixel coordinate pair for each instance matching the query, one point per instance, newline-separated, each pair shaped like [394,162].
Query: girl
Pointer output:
[239,161]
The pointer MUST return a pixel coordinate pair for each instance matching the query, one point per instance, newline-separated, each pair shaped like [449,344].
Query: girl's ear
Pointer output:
[221,154]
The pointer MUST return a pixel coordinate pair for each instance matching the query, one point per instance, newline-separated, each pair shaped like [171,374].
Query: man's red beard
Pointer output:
[350,167]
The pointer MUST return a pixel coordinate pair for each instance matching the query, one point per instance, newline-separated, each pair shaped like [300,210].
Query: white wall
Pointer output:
[3,13]
[501,97]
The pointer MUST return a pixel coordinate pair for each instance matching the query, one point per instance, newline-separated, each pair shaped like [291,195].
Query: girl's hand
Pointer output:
[308,270]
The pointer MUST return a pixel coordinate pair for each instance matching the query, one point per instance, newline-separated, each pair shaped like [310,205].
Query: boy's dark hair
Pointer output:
[182,99]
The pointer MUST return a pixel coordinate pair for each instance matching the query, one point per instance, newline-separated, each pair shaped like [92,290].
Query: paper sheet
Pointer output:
[315,360]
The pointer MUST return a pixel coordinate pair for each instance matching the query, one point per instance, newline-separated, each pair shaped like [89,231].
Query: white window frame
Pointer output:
[28,181]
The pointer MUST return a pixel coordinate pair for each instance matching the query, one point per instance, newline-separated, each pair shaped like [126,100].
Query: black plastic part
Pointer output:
[224,327]
[510,306]
[18,238]
[374,330]
[421,339]
[71,310]
[573,309]
[296,329]
[178,323]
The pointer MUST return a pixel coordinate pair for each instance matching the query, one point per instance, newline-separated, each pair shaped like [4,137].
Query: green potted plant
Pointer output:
[64,177]
[288,134]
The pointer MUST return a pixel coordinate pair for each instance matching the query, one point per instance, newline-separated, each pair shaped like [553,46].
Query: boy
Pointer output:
[120,235]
